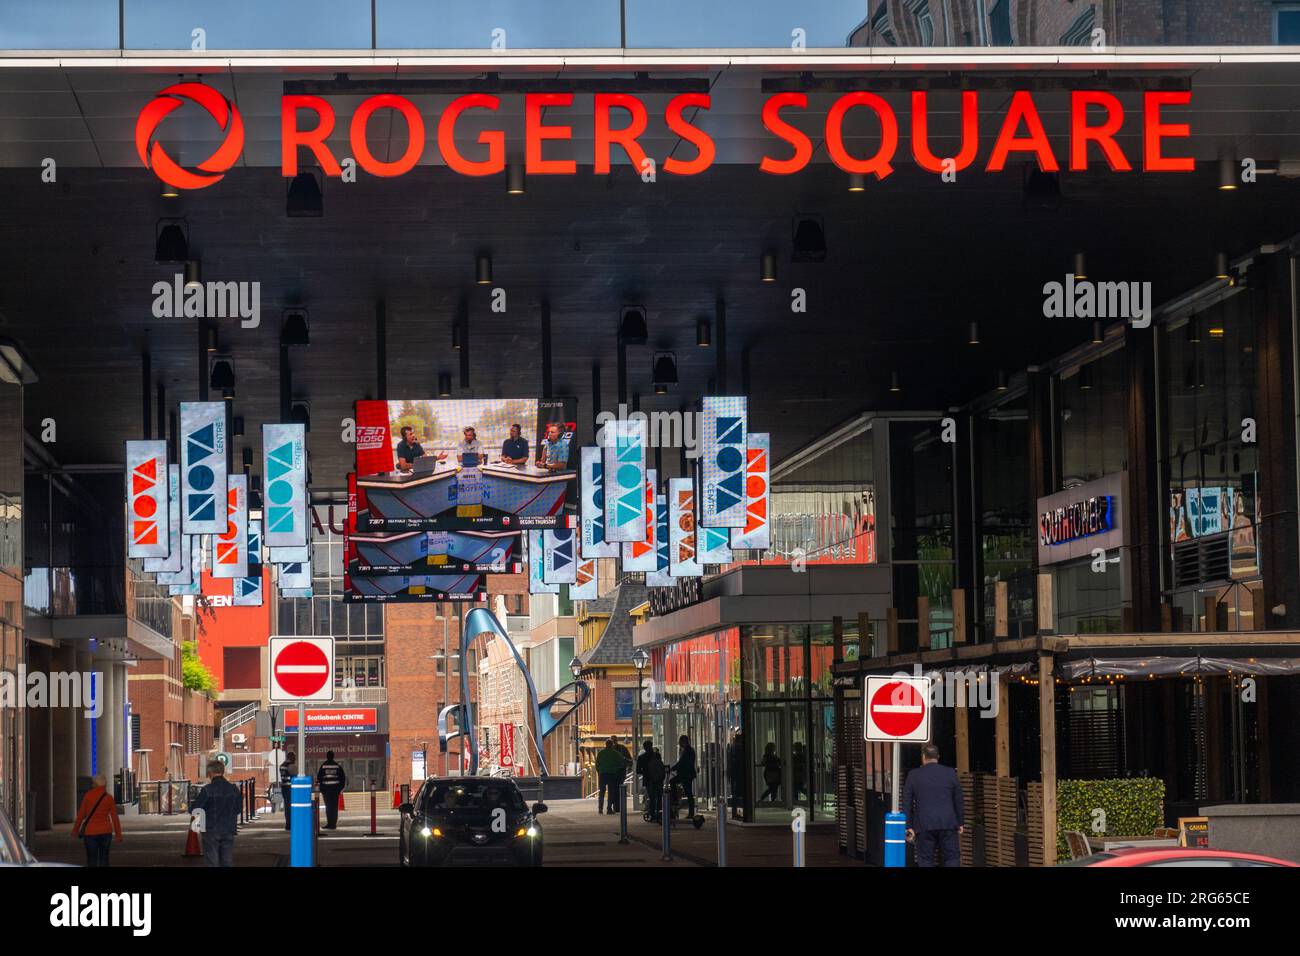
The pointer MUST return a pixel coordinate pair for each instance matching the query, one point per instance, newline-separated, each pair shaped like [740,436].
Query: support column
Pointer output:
[1042,451]
[1047,753]
[84,665]
[1271,282]
[64,752]
[962,719]
[1002,728]
[1143,501]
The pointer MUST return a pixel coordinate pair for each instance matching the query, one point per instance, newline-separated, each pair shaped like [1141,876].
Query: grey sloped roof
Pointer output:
[615,644]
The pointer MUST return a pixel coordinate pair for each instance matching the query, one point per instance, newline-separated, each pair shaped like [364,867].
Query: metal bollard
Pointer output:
[301,840]
[622,813]
[374,817]
[895,839]
[667,818]
[799,848]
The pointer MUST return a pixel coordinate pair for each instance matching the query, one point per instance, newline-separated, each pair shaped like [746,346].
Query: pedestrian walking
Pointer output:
[331,780]
[288,770]
[610,769]
[935,809]
[220,801]
[771,764]
[650,768]
[684,772]
[97,822]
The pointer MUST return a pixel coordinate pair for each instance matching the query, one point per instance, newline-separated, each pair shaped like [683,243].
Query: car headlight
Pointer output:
[532,831]
[426,832]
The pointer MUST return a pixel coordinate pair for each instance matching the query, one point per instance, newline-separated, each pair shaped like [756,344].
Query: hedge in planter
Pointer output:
[1134,806]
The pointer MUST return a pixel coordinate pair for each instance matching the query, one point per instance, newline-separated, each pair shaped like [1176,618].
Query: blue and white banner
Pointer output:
[293,577]
[537,566]
[284,465]
[194,583]
[248,590]
[175,552]
[722,489]
[756,535]
[660,576]
[203,467]
[559,563]
[146,499]
[640,555]
[625,481]
[682,560]
[230,549]
[293,555]
[585,583]
[592,504]
[713,545]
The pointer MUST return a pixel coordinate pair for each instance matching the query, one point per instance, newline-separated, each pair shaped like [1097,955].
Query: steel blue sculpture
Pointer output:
[482,621]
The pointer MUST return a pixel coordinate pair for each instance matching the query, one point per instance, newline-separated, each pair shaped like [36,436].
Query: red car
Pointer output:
[1176,856]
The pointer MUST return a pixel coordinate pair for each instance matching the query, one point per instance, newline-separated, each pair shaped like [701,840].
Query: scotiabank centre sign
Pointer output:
[307,122]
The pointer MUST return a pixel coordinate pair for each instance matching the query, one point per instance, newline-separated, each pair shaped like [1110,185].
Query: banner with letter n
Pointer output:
[559,564]
[203,467]
[722,489]
[682,561]
[537,566]
[175,551]
[284,470]
[248,590]
[625,481]
[757,533]
[230,549]
[659,577]
[147,500]
[592,504]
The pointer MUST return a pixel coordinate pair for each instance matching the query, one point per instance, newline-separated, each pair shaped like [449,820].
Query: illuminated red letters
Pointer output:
[1153,131]
[537,132]
[701,140]
[625,137]
[877,164]
[1022,110]
[493,139]
[802,144]
[1081,134]
[291,137]
[414,131]
[970,133]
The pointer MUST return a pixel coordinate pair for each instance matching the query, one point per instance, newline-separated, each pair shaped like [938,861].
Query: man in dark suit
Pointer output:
[935,809]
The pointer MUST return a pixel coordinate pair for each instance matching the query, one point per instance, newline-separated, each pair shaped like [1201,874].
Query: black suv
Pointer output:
[470,821]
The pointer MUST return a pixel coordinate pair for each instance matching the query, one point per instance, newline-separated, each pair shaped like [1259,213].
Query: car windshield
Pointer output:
[473,795]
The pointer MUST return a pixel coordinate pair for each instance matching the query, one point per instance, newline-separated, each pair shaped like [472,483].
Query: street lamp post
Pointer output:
[639,660]
[575,668]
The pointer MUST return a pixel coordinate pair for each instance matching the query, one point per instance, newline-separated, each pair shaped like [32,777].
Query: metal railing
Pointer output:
[165,796]
[363,695]
[238,718]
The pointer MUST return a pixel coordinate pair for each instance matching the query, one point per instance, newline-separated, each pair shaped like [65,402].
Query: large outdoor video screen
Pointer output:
[496,464]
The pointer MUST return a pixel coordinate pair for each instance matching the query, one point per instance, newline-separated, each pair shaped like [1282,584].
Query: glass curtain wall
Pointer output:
[13,650]
[921,499]
[1006,514]
[1208,370]
[1093,442]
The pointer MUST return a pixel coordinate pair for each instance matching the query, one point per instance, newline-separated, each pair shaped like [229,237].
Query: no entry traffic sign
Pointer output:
[302,669]
[897,709]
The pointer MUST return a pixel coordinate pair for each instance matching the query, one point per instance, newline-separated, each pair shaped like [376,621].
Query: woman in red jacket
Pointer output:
[97,822]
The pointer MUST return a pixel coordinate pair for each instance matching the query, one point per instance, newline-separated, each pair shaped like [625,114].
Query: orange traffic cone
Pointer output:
[192,845]
[397,798]
[341,807]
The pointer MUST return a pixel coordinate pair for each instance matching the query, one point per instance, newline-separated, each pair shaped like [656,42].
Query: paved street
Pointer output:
[575,836]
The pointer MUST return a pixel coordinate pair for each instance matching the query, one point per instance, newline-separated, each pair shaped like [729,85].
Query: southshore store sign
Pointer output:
[620,119]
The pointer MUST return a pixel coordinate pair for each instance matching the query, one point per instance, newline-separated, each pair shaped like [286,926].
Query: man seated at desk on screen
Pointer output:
[553,455]
[470,452]
[408,450]
[514,450]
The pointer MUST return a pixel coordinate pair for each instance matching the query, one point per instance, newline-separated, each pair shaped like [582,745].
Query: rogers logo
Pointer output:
[167,169]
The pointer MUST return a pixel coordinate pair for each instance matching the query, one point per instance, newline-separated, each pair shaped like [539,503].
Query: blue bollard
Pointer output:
[895,839]
[300,833]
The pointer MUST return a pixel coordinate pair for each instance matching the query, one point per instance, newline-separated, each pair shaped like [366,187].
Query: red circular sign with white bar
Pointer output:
[898,708]
[302,669]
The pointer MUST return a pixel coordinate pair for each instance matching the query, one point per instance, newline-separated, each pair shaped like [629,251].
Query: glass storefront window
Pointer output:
[774,660]
[1088,601]
[921,525]
[1005,513]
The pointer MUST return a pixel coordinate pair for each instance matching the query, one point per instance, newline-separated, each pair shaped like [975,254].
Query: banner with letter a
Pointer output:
[625,481]
[757,533]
